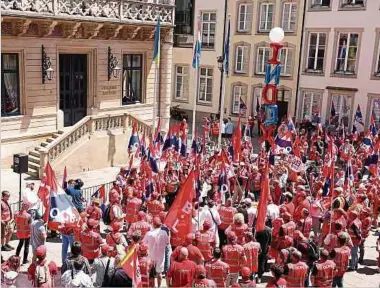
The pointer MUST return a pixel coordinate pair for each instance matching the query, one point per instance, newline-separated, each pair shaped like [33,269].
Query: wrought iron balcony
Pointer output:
[119,11]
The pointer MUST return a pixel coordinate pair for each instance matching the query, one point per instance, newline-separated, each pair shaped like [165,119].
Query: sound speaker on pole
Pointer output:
[20,163]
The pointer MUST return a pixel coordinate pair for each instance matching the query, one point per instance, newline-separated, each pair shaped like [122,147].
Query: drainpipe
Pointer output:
[300,58]
[222,70]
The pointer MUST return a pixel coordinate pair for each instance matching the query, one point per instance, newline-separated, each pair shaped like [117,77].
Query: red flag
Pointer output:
[224,158]
[237,142]
[64,179]
[43,194]
[130,265]
[178,219]
[262,209]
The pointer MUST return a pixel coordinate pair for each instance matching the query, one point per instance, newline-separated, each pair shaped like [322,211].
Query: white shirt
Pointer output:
[31,197]
[252,212]
[156,239]
[205,214]
[81,279]
[273,211]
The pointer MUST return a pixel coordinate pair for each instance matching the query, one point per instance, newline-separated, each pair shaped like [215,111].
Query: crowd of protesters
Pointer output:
[315,228]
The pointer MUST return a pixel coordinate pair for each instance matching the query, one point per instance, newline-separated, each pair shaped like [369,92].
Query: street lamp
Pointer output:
[47,70]
[113,68]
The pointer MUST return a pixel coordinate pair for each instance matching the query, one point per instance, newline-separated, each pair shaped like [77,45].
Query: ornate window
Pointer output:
[343,109]
[263,54]
[311,104]
[266,17]
[347,52]
[241,59]
[10,84]
[320,3]
[289,17]
[286,58]
[132,78]
[244,17]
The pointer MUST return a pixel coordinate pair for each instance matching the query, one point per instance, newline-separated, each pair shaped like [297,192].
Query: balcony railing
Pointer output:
[121,11]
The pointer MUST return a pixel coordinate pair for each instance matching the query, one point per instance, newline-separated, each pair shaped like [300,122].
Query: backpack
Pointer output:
[42,276]
[313,251]
[107,215]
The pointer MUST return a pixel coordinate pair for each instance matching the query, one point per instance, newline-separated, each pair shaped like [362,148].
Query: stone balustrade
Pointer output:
[85,128]
[120,11]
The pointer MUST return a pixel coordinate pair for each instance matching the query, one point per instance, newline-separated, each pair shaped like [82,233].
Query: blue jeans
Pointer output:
[67,241]
[354,256]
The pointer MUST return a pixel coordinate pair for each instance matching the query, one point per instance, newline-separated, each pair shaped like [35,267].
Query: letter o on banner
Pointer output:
[54,213]
[289,149]
[224,188]
[266,89]
[136,146]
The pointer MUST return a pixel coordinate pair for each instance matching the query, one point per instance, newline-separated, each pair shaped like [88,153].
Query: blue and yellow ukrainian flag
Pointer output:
[157,42]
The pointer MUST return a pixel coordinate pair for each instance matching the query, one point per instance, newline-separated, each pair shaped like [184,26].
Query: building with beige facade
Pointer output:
[341,60]
[76,74]
[211,18]
[251,22]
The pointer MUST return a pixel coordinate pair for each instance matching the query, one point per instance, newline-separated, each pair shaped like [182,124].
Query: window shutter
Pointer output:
[236,58]
[245,59]
[185,82]
[289,62]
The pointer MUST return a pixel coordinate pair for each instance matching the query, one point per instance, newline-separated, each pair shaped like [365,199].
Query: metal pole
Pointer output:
[222,111]
[195,98]
[224,37]
[156,67]
[19,194]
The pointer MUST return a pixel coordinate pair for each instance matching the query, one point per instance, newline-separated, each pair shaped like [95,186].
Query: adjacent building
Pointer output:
[341,60]
[251,22]
[209,16]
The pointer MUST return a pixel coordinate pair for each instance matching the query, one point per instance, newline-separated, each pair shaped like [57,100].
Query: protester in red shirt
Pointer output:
[195,254]
[6,222]
[23,221]
[181,272]
[41,272]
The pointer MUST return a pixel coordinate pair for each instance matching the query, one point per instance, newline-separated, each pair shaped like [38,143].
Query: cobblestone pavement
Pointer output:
[365,276]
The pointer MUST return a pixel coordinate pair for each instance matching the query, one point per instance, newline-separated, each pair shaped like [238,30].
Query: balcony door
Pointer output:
[73,87]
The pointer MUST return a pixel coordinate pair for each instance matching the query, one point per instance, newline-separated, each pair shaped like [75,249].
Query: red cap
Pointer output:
[200,270]
[92,223]
[41,251]
[104,249]
[141,215]
[207,224]
[189,238]
[231,236]
[245,272]
[154,195]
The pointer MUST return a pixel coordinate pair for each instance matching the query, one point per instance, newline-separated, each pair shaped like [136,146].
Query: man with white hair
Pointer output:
[181,272]
[29,195]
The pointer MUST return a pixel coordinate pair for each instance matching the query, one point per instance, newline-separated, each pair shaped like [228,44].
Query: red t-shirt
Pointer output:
[281,283]
[181,273]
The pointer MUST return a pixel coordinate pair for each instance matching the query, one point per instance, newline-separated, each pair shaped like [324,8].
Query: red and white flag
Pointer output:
[178,219]
[262,209]
[131,266]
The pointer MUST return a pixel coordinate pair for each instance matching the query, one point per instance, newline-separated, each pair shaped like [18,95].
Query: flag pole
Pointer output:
[225,69]
[156,60]
[196,60]
[195,97]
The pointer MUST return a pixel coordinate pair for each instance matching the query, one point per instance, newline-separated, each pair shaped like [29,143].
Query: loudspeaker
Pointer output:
[20,163]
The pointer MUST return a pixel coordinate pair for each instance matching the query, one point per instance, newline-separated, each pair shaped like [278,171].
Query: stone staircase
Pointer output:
[34,157]
[59,145]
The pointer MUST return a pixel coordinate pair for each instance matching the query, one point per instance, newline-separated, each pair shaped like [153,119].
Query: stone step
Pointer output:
[60,132]
[49,140]
[34,154]
[34,166]
[33,172]
[55,135]
[38,148]
[44,144]
[34,159]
